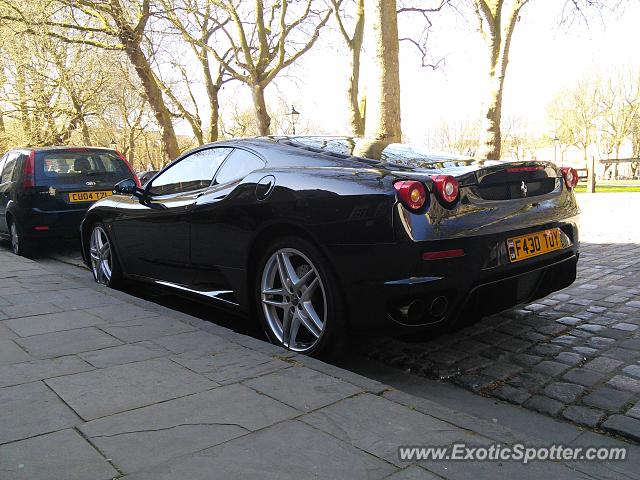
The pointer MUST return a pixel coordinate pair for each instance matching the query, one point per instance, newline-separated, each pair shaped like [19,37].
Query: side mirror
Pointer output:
[127,187]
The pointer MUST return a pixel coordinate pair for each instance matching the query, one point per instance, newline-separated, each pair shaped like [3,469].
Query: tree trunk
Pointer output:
[260,108]
[3,132]
[84,129]
[356,117]
[491,136]
[498,40]
[131,154]
[153,95]
[213,88]
[86,138]
[615,165]
[591,174]
[214,117]
[356,112]
[382,120]
[22,104]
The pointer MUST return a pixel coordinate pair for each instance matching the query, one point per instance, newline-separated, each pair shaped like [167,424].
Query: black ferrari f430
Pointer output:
[319,236]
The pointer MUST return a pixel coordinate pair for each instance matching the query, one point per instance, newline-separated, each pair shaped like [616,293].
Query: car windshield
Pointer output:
[68,167]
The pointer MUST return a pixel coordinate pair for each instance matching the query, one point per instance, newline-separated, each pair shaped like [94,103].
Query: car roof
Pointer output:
[69,147]
[60,148]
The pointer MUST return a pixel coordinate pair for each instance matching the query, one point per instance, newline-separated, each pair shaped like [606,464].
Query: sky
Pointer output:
[546,57]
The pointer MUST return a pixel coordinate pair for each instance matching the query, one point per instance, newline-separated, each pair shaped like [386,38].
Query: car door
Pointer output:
[221,225]
[7,165]
[152,230]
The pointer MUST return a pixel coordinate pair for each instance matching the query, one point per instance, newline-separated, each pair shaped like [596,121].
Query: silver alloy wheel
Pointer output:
[293,296]
[101,258]
[15,240]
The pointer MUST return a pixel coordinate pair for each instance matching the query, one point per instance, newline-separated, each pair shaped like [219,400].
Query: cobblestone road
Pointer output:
[574,355]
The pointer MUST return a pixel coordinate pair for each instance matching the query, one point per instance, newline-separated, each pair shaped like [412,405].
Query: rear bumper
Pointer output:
[482,282]
[36,223]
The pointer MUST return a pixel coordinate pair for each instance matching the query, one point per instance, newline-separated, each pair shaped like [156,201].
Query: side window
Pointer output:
[7,171]
[191,173]
[239,164]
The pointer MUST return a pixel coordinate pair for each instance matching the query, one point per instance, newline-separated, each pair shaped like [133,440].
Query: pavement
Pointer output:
[574,355]
[98,384]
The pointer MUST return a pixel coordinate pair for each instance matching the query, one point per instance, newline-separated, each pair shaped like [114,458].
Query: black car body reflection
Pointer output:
[383,261]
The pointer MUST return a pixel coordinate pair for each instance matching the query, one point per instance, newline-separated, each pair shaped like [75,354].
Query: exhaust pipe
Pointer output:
[438,306]
[413,312]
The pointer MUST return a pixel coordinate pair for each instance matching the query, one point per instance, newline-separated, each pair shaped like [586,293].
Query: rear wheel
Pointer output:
[297,298]
[19,244]
[104,264]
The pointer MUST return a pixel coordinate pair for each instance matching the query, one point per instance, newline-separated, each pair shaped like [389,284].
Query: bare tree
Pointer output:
[264,38]
[619,105]
[496,23]
[575,112]
[109,25]
[456,137]
[53,88]
[196,22]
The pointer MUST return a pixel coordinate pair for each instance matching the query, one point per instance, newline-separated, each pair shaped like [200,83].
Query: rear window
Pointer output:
[64,167]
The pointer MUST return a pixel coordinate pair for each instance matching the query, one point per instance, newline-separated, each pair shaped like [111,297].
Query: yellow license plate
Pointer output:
[534,244]
[75,197]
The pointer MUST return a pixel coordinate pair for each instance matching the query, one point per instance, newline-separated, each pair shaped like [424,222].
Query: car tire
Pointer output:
[102,257]
[307,295]
[24,247]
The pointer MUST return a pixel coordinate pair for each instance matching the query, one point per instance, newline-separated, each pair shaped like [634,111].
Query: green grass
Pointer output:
[622,186]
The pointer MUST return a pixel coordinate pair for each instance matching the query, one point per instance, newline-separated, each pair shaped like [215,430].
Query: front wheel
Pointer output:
[297,298]
[104,265]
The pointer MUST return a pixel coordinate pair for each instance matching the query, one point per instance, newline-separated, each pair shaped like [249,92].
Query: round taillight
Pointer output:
[411,193]
[447,187]
[570,177]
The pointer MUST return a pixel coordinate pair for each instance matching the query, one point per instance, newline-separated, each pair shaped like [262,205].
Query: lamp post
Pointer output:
[294,118]
[556,143]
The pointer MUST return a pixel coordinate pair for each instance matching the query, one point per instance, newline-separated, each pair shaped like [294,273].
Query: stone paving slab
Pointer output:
[413,472]
[227,363]
[144,437]
[115,389]
[193,342]
[5,333]
[28,310]
[57,344]
[378,426]
[128,353]
[145,329]
[10,352]
[32,409]
[51,322]
[59,455]
[303,388]
[27,372]
[290,450]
